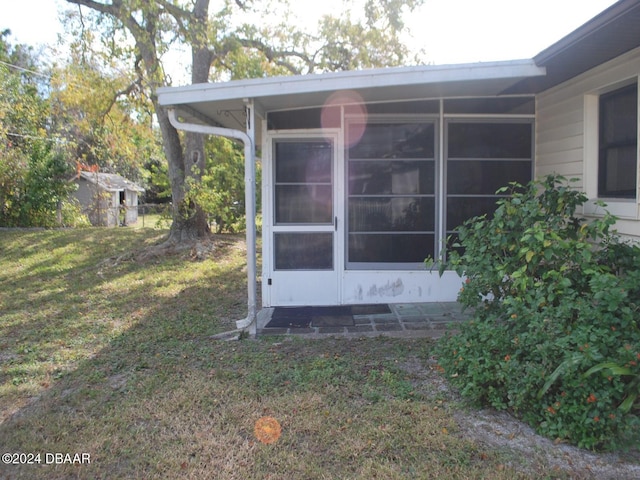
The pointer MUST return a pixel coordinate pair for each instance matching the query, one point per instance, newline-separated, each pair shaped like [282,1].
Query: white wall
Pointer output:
[567,133]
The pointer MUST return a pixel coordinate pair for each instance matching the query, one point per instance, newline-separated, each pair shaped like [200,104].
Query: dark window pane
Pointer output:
[394,140]
[618,172]
[304,204]
[460,209]
[484,177]
[303,162]
[389,248]
[386,178]
[413,106]
[391,183]
[513,105]
[381,214]
[618,116]
[306,118]
[618,143]
[489,140]
[303,251]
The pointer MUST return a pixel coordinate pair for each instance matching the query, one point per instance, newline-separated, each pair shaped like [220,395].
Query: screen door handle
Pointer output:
[335,222]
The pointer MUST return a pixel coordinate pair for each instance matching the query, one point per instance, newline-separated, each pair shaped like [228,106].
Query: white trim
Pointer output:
[328,82]
[591,146]
[441,189]
[623,208]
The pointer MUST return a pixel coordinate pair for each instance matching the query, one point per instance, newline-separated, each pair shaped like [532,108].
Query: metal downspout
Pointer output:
[250,207]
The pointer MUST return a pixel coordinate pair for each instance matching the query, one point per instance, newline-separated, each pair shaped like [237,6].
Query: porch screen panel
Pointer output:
[391,194]
[303,182]
[303,251]
[481,157]
[303,205]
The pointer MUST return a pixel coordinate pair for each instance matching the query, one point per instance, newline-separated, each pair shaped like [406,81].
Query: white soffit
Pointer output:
[223,103]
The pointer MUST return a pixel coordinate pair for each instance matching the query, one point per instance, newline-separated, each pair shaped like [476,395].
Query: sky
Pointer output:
[447,31]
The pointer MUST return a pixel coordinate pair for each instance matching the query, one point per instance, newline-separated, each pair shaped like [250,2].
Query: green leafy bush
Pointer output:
[35,187]
[220,193]
[554,336]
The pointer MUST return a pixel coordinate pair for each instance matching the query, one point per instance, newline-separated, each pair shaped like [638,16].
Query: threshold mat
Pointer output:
[305,317]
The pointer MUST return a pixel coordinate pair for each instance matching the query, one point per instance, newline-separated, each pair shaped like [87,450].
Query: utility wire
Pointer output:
[44,75]
[34,137]
[22,69]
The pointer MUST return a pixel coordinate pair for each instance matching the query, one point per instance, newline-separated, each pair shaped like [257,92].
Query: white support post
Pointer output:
[250,200]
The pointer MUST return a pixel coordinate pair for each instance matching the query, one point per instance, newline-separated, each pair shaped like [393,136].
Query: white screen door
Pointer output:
[305,223]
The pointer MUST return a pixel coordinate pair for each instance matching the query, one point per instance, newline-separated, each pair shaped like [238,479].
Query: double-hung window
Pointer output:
[618,143]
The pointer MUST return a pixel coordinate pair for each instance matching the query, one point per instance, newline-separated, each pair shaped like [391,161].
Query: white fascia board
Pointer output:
[372,78]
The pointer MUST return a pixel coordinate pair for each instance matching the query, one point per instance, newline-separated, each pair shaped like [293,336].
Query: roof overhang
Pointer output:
[222,104]
[608,35]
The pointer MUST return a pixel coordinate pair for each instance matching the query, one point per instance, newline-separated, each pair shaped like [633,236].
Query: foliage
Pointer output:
[99,113]
[221,191]
[35,190]
[227,43]
[33,172]
[556,301]
[46,126]
[350,45]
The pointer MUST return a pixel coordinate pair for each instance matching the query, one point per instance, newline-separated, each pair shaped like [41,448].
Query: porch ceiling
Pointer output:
[222,104]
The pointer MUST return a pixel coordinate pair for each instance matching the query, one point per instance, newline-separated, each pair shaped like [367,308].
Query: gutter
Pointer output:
[250,207]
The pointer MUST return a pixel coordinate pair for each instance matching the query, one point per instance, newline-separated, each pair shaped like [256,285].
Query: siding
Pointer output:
[563,144]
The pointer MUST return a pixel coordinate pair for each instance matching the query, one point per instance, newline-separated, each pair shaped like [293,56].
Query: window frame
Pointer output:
[604,148]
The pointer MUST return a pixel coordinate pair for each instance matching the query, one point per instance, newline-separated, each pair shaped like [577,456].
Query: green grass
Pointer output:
[108,354]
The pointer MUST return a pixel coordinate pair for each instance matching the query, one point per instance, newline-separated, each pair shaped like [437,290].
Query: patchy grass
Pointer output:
[106,354]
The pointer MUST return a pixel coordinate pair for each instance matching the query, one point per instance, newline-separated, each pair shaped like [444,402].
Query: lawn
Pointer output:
[106,358]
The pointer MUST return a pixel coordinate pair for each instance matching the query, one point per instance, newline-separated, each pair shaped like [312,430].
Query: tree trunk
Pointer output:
[187,165]
[189,220]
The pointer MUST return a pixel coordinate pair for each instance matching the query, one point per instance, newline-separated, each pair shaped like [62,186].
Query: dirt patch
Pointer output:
[528,451]
[197,250]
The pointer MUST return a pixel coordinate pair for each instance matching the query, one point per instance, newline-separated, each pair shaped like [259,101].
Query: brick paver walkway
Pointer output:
[405,319]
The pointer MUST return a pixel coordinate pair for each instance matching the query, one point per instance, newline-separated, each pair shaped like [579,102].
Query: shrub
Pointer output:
[554,333]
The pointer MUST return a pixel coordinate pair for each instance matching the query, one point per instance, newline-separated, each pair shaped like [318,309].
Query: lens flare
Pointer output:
[267,430]
[353,106]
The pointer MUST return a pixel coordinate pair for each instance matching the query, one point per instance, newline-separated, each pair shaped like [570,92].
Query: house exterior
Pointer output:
[108,199]
[367,173]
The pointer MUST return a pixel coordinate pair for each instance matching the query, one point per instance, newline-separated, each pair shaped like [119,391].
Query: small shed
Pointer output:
[108,199]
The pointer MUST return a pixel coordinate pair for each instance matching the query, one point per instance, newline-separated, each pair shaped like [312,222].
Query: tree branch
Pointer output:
[278,56]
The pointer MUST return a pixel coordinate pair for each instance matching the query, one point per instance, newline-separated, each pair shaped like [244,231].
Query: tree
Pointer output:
[33,173]
[221,192]
[154,25]
[96,111]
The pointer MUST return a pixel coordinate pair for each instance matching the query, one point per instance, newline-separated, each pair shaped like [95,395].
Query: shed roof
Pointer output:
[111,182]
